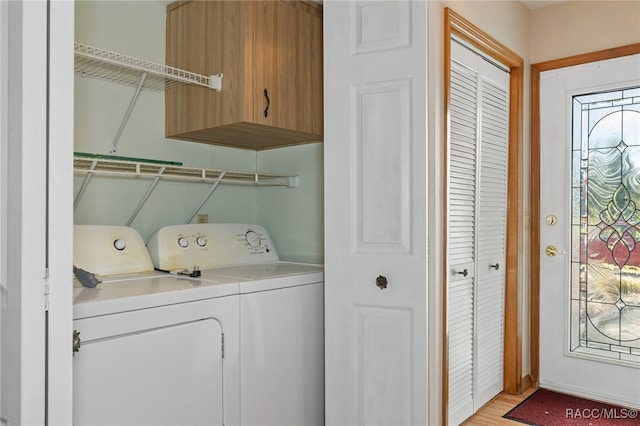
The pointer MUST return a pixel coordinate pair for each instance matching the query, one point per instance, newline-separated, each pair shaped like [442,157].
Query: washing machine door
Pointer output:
[138,368]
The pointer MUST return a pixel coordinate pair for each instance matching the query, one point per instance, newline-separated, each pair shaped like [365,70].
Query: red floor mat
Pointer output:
[548,408]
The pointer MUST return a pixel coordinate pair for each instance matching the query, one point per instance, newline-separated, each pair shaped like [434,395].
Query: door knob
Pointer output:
[381,282]
[551,251]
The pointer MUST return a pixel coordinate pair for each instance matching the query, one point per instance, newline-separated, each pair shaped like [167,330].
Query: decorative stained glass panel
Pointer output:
[605,293]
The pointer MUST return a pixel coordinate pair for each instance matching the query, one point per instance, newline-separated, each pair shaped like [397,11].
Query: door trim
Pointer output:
[457,25]
[534,201]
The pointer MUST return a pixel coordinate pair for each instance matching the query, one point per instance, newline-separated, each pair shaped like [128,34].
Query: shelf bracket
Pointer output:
[146,195]
[125,119]
[206,197]
[85,182]
[215,82]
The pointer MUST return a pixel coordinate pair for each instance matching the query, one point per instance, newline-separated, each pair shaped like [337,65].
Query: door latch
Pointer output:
[76,341]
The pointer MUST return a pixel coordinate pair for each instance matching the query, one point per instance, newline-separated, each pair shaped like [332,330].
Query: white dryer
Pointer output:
[281,316]
[154,349]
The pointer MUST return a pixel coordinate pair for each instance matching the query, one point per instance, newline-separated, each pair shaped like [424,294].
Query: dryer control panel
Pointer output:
[109,250]
[207,245]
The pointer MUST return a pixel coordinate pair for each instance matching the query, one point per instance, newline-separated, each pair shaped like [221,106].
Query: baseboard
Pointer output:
[621,400]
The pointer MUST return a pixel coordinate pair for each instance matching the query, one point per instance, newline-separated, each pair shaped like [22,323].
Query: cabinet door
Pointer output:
[288,66]
[185,49]
[267,45]
[206,38]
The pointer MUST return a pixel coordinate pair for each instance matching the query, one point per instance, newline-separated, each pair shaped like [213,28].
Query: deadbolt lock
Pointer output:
[552,220]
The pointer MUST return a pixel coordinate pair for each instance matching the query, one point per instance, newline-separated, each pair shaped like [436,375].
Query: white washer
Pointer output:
[281,316]
[155,349]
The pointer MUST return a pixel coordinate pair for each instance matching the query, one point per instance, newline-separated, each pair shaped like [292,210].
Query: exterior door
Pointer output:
[375,213]
[589,230]
[476,229]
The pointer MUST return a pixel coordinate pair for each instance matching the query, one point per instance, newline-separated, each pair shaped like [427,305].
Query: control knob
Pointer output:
[201,241]
[183,242]
[252,238]
[120,244]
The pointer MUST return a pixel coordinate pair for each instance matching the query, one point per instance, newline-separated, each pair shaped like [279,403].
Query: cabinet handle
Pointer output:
[495,266]
[266,96]
[463,273]
[381,282]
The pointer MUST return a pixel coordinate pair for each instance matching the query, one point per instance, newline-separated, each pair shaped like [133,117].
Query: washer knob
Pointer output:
[253,238]
[201,241]
[183,242]
[120,244]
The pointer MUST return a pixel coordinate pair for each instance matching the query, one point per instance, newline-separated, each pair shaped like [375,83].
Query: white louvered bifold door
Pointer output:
[476,215]
[491,220]
[461,239]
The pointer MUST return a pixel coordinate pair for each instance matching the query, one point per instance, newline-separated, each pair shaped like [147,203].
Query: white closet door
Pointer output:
[491,221]
[477,188]
[375,184]
[461,239]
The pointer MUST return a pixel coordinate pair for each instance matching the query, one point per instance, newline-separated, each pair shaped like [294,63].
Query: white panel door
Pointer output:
[592,359]
[476,232]
[375,212]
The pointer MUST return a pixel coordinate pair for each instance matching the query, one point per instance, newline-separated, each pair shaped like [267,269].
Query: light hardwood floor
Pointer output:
[491,414]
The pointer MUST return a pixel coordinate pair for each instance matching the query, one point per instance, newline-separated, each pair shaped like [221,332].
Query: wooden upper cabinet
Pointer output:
[270,53]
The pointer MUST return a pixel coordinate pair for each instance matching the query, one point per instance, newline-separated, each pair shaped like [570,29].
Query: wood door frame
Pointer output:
[534,260]
[456,25]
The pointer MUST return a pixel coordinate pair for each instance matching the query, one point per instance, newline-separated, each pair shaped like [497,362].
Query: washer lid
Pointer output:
[268,275]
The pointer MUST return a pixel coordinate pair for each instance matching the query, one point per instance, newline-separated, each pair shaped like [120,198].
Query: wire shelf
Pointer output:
[156,170]
[118,167]
[104,64]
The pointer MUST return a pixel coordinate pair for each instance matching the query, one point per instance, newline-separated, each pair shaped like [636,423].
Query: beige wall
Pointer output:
[506,21]
[577,27]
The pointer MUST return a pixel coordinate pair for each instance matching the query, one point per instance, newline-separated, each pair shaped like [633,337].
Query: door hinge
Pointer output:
[222,339]
[46,289]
